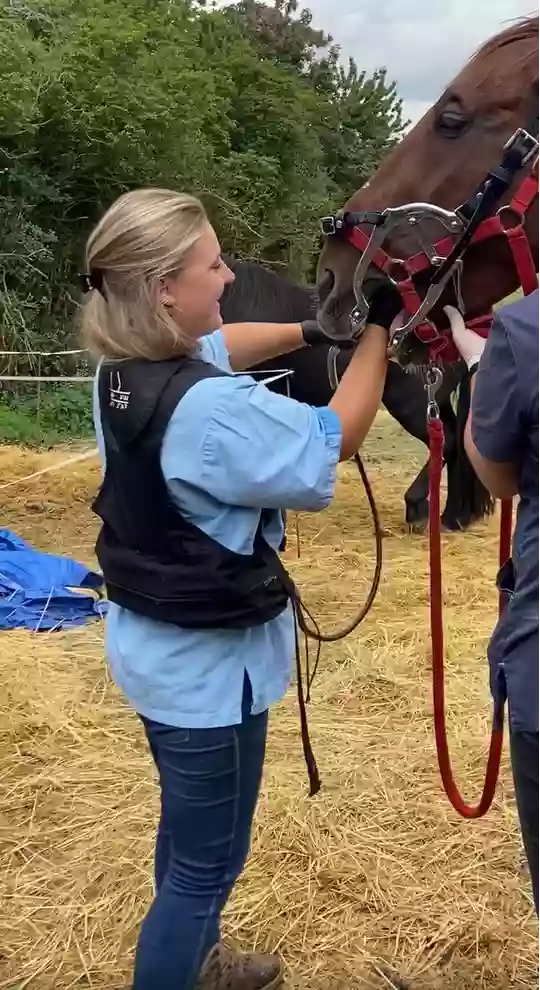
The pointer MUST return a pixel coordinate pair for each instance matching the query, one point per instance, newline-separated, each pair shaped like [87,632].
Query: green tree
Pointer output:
[248,107]
[366,123]
[273,180]
[291,41]
[360,115]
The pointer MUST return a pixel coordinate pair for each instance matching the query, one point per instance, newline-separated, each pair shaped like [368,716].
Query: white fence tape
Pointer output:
[54,467]
[40,353]
[48,378]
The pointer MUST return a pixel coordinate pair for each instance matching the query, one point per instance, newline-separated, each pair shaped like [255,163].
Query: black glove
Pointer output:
[385,305]
[312,333]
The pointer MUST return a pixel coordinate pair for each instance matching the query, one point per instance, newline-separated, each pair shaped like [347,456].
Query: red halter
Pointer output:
[441,345]
[442,348]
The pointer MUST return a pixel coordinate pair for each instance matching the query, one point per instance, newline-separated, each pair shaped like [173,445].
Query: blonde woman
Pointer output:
[199,466]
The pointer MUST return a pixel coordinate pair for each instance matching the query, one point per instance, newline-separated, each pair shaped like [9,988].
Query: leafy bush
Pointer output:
[247,106]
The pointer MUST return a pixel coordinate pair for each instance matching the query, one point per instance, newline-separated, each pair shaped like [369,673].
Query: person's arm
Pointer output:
[249,344]
[235,440]
[493,429]
[499,477]
[359,393]
[244,445]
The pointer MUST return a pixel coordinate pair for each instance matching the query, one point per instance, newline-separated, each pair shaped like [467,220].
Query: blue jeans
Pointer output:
[210,781]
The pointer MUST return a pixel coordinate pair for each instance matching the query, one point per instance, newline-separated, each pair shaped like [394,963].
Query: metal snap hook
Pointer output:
[434,377]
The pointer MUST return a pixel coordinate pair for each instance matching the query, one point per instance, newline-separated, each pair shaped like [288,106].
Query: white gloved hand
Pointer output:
[469,344]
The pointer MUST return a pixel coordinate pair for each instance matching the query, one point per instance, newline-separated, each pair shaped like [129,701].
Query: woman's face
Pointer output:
[193,294]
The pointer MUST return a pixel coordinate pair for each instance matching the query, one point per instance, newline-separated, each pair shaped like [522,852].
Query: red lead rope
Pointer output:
[436,447]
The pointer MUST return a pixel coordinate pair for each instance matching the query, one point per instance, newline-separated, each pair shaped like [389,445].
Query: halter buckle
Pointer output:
[523,142]
[331,225]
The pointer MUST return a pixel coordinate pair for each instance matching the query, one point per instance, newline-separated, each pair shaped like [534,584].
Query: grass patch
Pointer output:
[57,415]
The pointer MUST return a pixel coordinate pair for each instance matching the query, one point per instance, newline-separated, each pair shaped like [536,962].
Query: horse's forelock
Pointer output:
[524,29]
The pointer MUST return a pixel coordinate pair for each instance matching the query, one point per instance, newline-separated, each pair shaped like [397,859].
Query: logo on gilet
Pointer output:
[118,397]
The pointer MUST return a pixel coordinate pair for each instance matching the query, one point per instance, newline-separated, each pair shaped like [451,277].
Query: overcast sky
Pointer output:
[422,43]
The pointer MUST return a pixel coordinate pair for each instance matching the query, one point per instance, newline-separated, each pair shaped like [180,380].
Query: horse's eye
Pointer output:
[451,123]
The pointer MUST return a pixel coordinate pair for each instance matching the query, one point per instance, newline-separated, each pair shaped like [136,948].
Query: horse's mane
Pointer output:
[524,29]
[256,287]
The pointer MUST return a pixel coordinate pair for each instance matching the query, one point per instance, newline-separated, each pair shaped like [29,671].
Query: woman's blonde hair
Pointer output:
[143,237]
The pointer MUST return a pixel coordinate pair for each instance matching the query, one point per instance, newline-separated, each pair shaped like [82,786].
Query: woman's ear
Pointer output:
[166,291]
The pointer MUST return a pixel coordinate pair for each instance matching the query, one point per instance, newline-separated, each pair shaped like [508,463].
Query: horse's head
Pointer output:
[442,161]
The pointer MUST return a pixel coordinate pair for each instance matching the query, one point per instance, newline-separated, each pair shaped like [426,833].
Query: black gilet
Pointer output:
[154,561]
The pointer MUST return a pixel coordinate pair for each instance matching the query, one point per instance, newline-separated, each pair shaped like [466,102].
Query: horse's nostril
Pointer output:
[326,285]
[336,308]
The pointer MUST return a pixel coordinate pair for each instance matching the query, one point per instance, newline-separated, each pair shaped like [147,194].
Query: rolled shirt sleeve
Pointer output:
[496,403]
[247,446]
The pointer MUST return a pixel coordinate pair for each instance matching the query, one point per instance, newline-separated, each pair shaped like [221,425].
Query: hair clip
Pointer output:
[91,280]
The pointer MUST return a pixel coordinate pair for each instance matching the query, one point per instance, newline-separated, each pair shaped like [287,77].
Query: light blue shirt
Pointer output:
[231,448]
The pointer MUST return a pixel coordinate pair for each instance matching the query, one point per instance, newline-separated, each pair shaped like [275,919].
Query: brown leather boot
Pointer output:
[225,969]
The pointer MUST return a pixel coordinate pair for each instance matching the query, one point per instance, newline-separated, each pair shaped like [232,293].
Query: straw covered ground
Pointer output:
[375,883]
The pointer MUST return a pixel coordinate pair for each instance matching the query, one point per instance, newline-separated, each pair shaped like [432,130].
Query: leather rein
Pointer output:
[473,223]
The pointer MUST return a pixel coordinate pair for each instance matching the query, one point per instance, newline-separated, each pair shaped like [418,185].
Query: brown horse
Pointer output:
[442,161]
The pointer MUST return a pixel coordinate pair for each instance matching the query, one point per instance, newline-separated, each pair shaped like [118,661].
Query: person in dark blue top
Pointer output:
[502,443]
[233,457]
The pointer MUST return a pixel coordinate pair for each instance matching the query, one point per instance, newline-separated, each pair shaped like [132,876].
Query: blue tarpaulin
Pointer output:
[36,588]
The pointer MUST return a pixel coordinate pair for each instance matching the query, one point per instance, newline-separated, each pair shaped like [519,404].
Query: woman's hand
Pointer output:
[469,344]
[385,306]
